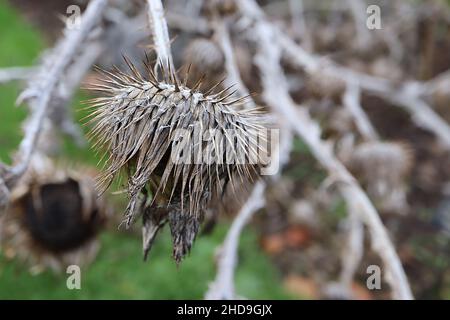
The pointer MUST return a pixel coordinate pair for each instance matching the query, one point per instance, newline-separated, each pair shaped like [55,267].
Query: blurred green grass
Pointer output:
[118,272]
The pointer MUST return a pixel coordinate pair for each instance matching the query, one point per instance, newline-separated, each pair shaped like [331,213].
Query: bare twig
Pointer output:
[299,23]
[351,256]
[4,194]
[358,10]
[41,100]
[440,82]
[233,77]
[160,32]
[15,73]
[223,285]
[353,250]
[277,96]
[407,96]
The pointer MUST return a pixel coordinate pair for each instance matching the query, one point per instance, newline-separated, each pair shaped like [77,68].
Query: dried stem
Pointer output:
[353,250]
[233,77]
[223,285]
[75,75]
[188,24]
[277,96]
[352,101]
[41,100]
[15,73]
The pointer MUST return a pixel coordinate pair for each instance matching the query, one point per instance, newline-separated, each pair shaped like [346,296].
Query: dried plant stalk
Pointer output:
[17,73]
[155,131]
[40,101]
[53,217]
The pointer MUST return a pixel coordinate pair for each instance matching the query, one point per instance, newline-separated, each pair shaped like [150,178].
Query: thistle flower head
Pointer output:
[175,143]
[205,55]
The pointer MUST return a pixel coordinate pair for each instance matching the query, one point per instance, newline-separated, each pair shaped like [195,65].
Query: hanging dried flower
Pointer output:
[176,144]
[53,218]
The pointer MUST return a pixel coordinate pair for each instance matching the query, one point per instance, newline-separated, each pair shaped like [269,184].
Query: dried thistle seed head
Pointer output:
[53,218]
[183,228]
[180,145]
[382,168]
